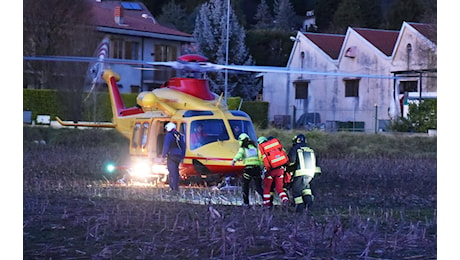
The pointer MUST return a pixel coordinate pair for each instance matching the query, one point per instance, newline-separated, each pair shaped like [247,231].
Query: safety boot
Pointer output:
[308,200]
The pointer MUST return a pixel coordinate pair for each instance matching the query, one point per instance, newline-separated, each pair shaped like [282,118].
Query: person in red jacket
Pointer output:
[273,180]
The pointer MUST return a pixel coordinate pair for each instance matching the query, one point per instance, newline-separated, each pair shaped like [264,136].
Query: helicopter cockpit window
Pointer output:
[190,113]
[145,134]
[136,133]
[207,131]
[242,126]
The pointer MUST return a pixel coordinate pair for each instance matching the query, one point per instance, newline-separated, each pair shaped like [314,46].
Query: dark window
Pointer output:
[301,90]
[116,48]
[131,50]
[136,135]
[242,126]
[408,86]
[135,89]
[352,88]
[165,53]
[190,113]
[183,127]
[145,135]
[121,49]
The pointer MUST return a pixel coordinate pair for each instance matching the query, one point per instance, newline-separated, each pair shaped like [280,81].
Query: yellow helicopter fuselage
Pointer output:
[188,103]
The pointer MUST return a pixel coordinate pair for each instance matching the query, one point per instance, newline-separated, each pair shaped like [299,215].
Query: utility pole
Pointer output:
[226,50]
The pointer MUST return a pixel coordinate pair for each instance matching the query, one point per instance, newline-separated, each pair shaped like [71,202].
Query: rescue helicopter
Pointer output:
[185,101]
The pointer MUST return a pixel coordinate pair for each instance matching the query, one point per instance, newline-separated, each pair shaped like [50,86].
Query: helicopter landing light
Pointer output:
[110,168]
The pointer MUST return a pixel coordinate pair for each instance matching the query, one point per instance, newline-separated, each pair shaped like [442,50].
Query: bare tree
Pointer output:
[58,27]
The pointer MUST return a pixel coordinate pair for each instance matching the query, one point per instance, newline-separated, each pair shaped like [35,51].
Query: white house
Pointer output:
[135,34]
[365,94]
[415,58]
[365,101]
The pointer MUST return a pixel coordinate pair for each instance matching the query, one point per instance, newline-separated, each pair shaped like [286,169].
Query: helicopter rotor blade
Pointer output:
[204,66]
[90,91]
[273,69]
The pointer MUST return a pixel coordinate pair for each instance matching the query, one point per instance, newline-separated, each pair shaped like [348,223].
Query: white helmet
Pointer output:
[170,126]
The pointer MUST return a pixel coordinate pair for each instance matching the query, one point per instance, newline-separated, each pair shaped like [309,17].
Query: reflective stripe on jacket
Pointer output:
[249,156]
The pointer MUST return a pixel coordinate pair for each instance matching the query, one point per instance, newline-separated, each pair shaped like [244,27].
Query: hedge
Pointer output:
[47,102]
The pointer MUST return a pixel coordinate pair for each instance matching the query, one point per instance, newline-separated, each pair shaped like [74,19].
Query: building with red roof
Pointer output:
[135,34]
[363,77]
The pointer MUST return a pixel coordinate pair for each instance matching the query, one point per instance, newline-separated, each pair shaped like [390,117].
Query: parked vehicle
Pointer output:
[309,121]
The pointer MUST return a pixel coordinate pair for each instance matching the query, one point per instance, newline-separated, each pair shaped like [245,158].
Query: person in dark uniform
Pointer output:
[302,161]
[174,153]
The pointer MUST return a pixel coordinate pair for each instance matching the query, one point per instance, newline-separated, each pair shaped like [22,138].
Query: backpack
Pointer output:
[180,143]
[273,154]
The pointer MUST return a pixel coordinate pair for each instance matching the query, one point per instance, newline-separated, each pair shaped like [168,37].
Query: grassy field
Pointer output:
[376,199]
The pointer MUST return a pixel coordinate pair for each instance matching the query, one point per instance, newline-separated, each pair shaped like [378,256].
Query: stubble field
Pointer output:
[366,207]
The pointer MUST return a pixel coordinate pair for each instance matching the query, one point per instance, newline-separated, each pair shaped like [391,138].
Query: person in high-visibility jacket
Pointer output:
[302,159]
[249,154]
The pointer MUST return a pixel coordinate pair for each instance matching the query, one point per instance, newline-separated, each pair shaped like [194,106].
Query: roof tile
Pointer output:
[428,30]
[331,44]
[103,15]
[384,40]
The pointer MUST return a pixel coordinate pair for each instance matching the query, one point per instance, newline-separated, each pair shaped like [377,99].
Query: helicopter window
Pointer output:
[239,113]
[145,132]
[183,126]
[242,126]
[161,139]
[136,132]
[191,113]
[207,131]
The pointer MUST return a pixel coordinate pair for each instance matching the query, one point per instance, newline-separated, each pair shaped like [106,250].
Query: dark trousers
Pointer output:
[251,173]
[301,191]
[173,169]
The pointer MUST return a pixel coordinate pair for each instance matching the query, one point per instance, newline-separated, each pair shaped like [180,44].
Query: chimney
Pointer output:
[118,15]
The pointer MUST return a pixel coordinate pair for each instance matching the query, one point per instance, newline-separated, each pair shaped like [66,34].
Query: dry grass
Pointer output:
[365,208]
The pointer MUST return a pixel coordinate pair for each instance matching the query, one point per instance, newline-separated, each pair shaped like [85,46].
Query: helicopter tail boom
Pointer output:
[111,78]
[85,124]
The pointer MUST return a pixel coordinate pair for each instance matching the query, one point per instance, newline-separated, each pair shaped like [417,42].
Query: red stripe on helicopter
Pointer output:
[208,159]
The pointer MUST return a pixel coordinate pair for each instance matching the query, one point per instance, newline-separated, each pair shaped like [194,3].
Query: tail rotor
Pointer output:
[95,69]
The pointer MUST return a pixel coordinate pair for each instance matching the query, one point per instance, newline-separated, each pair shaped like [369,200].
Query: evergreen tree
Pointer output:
[211,34]
[263,17]
[404,10]
[175,16]
[356,13]
[284,15]
[324,11]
